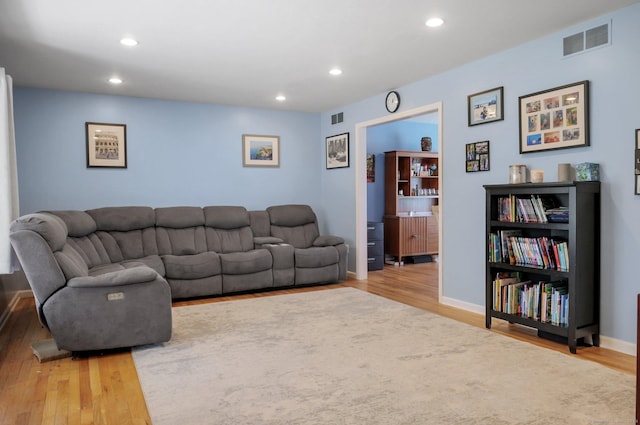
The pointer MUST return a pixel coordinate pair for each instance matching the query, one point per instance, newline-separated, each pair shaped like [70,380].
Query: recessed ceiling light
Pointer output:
[128,41]
[281,98]
[115,80]
[434,22]
[335,71]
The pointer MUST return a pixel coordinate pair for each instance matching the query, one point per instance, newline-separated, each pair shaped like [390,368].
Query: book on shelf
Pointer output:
[542,301]
[511,247]
[529,209]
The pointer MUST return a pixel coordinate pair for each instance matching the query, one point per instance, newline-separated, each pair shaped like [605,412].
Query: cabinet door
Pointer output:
[432,235]
[413,231]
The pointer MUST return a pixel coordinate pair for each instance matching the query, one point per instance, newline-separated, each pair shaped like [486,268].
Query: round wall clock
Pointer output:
[392,101]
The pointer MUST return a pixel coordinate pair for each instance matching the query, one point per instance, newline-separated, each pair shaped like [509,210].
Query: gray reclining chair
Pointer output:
[87,307]
[318,258]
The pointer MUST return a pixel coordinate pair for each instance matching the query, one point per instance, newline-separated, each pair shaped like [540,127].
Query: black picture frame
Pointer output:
[337,151]
[477,157]
[486,106]
[637,162]
[557,118]
[106,145]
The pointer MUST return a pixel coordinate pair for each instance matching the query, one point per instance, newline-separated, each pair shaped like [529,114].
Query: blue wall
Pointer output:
[185,153]
[529,68]
[177,153]
[395,136]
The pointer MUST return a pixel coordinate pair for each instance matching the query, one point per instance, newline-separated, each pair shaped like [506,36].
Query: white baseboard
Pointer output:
[624,347]
[26,293]
[609,343]
[463,305]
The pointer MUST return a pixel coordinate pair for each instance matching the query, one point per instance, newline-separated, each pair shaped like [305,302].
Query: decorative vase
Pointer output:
[425,143]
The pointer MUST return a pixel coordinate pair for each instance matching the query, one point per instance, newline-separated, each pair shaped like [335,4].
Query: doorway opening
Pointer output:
[434,109]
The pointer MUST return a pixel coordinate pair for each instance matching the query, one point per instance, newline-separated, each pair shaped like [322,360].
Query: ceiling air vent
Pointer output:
[589,39]
[337,118]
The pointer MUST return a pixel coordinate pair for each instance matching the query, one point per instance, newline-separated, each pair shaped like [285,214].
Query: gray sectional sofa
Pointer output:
[105,278]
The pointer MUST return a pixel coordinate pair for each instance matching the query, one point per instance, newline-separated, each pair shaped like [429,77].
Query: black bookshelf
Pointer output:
[581,231]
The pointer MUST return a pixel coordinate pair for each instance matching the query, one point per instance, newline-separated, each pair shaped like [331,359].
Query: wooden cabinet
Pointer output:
[522,245]
[411,190]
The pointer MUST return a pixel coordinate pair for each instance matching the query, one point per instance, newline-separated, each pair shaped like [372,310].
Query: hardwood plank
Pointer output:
[104,389]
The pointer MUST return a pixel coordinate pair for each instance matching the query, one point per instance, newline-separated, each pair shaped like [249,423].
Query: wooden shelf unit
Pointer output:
[581,232]
[411,190]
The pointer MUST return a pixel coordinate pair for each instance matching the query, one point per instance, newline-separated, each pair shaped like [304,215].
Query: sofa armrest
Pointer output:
[259,241]
[117,278]
[328,241]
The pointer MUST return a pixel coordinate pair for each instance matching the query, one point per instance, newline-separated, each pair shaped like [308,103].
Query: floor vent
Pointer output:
[337,118]
[585,40]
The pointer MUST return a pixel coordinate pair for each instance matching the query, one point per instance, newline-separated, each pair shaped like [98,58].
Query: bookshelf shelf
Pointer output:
[545,275]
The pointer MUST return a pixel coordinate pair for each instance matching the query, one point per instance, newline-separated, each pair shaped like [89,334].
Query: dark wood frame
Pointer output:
[93,130]
[332,152]
[637,162]
[552,119]
[481,99]
[582,233]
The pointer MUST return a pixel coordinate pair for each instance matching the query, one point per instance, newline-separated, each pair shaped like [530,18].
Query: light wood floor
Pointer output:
[105,389]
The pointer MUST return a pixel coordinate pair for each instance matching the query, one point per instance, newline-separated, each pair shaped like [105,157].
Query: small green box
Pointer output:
[587,172]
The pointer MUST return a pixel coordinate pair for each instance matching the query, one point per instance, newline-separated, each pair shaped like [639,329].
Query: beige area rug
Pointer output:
[344,356]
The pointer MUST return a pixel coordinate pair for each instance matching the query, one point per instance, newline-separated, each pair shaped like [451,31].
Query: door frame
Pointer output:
[361,183]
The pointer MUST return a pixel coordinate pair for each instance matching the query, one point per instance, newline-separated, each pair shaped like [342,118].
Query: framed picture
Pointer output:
[486,106]
[555,119]
[338,151]
[637,167]
[477,156]
[371,168]
[260,150]
[106,145]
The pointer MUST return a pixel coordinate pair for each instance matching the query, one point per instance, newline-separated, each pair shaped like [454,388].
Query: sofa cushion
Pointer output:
[246,262]
[291,215]
[179,217]
[123,219]
[316,257]
[180,231]
[71,263]
[226,217]
[192,266]
[228,229]
[152,261]
[260,224]
[91,249]
[129,245]
[52,229]
[79,223]
[294,224]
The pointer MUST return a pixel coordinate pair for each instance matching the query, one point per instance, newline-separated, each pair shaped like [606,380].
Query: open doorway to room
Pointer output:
[400,127]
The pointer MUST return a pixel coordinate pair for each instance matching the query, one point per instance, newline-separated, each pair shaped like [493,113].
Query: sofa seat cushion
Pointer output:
[192,266]
[253,261]
[153,261]
[316,257]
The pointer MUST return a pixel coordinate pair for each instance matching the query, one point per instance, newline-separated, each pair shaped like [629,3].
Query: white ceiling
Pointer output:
[244,52]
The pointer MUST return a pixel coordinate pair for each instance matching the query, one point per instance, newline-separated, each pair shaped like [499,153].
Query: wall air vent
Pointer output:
[585,40]
[337,118]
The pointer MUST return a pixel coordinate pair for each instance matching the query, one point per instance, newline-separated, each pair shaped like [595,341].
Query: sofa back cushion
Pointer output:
[126,232]
[228,229]
[295,224]
[260,223]
[180,231]
[82,237]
